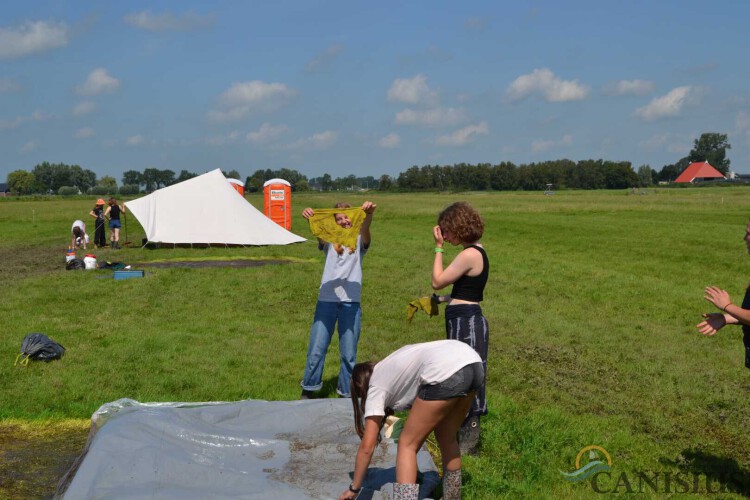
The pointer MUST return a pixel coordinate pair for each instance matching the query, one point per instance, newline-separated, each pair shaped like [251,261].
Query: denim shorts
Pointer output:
[467,379]
[115,223]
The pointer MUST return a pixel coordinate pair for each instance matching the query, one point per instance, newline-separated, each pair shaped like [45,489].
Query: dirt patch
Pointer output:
[33,457]
[212,263]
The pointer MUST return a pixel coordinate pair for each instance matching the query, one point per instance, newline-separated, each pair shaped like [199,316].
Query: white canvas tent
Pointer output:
[206,210]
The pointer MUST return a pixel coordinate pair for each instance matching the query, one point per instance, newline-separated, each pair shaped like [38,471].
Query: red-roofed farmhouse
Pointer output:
[699,171]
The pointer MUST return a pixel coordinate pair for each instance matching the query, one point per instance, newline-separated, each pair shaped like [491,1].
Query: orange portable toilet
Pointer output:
[237,184]
[277,202]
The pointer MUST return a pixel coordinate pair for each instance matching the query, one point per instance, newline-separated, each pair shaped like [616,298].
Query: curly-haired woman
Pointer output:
[461,225]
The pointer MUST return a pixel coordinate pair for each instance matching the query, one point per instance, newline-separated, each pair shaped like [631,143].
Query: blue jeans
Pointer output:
[349,316]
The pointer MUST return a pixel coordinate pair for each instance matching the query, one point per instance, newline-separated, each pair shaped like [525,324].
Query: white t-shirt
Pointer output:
[395,380]
[78,223]
[342,274]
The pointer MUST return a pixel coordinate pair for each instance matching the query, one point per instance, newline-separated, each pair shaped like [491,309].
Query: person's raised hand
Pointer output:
[308,212]
[718,297]
[369,207]
[437,233]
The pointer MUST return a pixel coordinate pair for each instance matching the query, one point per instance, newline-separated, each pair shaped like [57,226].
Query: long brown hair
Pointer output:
[359,387]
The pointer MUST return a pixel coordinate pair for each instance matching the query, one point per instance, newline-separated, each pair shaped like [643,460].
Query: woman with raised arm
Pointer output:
[461,225]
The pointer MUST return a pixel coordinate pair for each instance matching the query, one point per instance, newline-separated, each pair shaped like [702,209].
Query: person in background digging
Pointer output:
[461,225]
[731,314]
[100,238]
[78,235]
[113,214]
[339,298]
[436,381]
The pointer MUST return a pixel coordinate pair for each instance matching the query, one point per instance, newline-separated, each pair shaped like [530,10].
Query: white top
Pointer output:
[78,223]
[342,274]
[396,379]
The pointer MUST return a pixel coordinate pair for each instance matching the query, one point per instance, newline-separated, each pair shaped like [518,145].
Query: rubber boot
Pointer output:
[405,491]
[468,436]
[452,485]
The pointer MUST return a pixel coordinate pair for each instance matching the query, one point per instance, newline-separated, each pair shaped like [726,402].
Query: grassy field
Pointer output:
[592,302]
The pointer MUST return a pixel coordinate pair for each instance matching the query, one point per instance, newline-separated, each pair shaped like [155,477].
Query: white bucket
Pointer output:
[69,256]
[89,261]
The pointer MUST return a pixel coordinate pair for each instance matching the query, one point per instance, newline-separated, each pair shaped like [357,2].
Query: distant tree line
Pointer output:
[505,176]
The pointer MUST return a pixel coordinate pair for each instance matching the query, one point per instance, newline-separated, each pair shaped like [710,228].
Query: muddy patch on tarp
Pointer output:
[197,264]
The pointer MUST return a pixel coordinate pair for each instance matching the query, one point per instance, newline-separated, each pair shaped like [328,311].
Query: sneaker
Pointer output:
[307,394]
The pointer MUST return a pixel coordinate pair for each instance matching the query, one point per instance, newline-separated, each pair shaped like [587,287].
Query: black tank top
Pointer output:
[471,288]
[114,212]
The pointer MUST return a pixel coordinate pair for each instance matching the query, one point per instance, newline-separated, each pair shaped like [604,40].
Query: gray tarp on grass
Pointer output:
[245,449]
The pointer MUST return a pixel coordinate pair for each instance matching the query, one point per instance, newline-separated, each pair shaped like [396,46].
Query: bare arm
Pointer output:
[369,208]
[721,299]
[364,455]
[464,263]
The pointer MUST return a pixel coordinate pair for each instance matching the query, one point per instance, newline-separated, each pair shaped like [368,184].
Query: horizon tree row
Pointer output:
[58,178]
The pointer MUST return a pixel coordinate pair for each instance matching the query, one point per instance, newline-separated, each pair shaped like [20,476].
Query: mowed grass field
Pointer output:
[592,303]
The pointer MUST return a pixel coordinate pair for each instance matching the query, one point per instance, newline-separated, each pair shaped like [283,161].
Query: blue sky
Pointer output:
[367,88]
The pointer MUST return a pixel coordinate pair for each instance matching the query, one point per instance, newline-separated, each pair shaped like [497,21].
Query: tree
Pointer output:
[185,175]
[712,147]
[232,174]
[645,176]
[165,178]
[22,182]
[326,183]
[150,179]
[132,178]
[109,183]
[385,183]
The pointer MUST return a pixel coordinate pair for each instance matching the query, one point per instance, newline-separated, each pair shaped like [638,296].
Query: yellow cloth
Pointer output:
[323,225]
[426,304]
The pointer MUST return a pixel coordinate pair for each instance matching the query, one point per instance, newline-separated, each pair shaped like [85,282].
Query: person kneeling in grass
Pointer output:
[437,380]
[731,314]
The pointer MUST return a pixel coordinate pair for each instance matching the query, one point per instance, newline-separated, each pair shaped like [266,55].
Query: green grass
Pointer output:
[592,302]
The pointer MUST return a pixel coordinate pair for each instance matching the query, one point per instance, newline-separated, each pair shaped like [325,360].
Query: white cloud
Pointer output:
[436,117]
[135,140]
[320,140]
[8,85]
[629,87]
[98,82]
[541,145]
[267,133]
[412,91]
[668,105]
[84,108]
[32,37]
[324,58]
[240,99]
[464,136]
[390,141]
[84,133]
[29,146]
[543,81]
[168,21]
[222,140]
[36,116]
